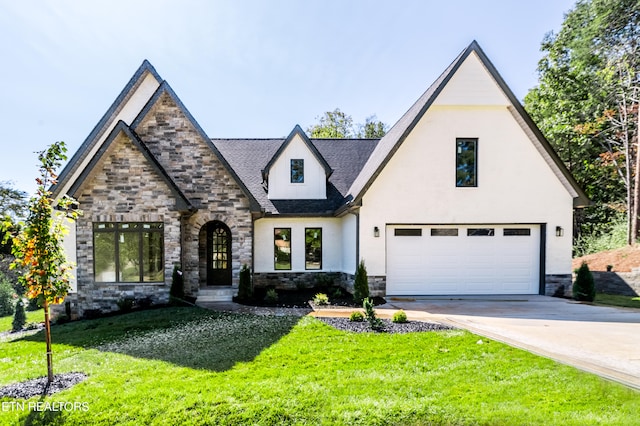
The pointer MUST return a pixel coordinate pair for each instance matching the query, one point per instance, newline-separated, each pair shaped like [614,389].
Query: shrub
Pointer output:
[584,287]
[125,304]
[361,284]
[321,299]
[7,297]
[245,290]
[337,293]
[177,283]
[271,296]
[356,316]
[399,317]
[370,314]
[19,318]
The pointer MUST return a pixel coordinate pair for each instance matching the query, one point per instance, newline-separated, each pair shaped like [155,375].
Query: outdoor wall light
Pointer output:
[559,231]
[376,231]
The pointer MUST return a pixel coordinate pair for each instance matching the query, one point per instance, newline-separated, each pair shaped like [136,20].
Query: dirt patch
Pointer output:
[621,260]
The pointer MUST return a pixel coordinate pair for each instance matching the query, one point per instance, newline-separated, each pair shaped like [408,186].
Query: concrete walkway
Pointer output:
[600,340]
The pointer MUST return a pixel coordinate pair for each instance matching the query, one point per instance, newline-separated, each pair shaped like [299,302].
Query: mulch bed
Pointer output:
[344,324]
[38,387]
[300,299]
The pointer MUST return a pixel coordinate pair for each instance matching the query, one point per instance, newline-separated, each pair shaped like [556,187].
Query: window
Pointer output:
[131,252]
[407,232]
[297,171]
[444,232]
[466,163]
[282,248]
[480,232]
[313,248]
[510,232]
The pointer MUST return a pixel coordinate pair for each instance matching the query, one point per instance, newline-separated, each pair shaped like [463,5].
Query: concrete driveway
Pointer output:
[601,340]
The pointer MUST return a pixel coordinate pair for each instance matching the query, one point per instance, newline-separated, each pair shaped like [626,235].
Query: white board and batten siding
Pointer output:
[463,259]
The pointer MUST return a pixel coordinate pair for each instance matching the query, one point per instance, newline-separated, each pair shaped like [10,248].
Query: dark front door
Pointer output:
[218,254]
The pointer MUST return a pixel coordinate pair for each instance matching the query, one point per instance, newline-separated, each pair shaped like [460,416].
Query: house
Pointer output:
[462,196]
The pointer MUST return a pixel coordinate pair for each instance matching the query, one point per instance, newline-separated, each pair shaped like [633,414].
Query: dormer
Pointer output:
[297,171]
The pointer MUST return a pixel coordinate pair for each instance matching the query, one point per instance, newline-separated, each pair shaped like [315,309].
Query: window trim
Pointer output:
[475,162]
[296,165]
[276,249]
[306,250]
[140,229]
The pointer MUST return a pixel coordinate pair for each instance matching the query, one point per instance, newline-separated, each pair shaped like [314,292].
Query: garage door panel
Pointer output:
[441,262]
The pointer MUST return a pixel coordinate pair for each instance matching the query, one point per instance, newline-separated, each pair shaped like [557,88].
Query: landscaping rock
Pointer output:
[38,387]
[344,324]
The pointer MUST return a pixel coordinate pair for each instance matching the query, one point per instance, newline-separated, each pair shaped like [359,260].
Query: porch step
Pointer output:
[215,294]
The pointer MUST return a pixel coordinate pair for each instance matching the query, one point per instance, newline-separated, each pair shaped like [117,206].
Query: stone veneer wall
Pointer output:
[189,160]
[558,285]
[622,283]
[293,280]
[123,187]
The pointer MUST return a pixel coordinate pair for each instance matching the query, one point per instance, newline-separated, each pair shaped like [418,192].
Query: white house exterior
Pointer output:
[462,196]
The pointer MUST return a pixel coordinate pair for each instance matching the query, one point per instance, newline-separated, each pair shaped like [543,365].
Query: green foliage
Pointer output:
[271,296]
[19,317]
[361,283]
[604,237]
[13,202]
[321,299]
[399,317]
[177,283]
[125,304]
[356,316]
[338,125]
[245,289]
[370,314]
[584,287]
[585,102]
[7,297]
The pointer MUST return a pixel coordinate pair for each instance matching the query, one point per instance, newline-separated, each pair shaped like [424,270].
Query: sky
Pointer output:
[244,68]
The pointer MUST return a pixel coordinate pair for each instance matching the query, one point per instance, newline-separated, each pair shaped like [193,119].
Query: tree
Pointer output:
[338,125]
[584,287]
[13,205]
[38,244]
[586,104]
[361,283]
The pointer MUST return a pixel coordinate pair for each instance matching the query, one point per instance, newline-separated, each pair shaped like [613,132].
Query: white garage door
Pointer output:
[459,260]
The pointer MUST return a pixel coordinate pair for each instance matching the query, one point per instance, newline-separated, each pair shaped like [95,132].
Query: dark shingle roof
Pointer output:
[345,156]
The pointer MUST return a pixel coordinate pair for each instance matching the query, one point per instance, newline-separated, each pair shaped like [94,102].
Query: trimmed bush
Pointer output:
[271,296]
[584,287]
[20,317]
[356,316]
[245,290]
[321,299]
[7,297]
[399,317]
[361,284]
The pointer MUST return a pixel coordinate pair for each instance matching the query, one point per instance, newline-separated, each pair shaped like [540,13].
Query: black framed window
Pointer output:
[313,248]
[466,163]
[444,232]
[481,232]
[297,171]
[282,248]
[128,252]
[407,232]
[518,232]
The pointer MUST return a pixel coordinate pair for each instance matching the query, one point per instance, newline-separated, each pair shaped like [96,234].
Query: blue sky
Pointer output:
[244,68]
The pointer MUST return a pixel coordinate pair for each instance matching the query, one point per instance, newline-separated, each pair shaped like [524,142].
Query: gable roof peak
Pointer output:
[297,131]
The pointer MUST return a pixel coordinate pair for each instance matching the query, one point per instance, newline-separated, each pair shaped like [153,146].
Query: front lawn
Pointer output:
[6,323]
[617,300]
[191,366]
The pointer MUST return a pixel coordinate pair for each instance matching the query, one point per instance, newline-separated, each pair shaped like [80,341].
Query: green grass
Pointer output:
[190,366]
[32,316]
[617,300]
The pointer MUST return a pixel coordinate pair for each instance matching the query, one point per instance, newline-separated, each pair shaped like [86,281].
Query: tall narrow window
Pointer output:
[130,252]
[466,163]
[313,248]
[297,171]
[282,248]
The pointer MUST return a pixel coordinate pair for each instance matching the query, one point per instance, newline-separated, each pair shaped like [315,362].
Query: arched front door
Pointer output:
[218,254]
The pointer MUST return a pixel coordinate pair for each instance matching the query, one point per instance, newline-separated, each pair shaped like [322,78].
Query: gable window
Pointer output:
[297,171]
[466,163]
[313,248]
[130,252]
[282,248]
